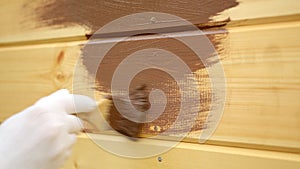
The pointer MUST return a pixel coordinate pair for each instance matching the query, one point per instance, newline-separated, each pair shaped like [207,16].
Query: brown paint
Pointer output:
[157,79]
[139,99]
[94,14]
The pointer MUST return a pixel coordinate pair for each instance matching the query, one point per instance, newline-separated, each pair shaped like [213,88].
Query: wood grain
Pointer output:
[28,73]
[21,22]
[88,155]
[261,65]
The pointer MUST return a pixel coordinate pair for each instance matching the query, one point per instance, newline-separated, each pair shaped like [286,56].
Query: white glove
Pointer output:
[41,136]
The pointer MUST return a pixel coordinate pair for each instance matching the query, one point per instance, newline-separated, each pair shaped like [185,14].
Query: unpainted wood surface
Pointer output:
[87,155]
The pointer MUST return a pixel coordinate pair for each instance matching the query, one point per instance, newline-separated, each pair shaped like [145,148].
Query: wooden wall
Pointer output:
[260,127]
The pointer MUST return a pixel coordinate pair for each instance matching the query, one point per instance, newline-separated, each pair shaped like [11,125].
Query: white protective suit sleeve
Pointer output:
[41,136]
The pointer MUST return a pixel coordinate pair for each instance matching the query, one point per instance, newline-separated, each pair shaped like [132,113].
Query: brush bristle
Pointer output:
[132,125]
[104,106]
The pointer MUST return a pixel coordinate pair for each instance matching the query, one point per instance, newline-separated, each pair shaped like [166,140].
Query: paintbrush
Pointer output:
[124,122]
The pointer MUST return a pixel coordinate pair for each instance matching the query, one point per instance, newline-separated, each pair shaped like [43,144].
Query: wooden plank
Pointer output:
[87,155]
[271,91]
[28,73]
[261,65]
[25,22]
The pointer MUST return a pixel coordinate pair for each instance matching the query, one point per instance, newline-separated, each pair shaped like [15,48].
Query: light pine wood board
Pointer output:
[20,23]
[87,155]
[262,73]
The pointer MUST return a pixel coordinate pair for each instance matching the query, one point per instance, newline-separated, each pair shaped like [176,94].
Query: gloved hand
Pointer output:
[41,136]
